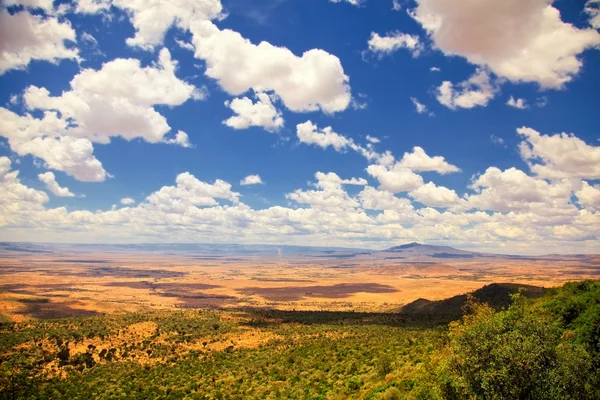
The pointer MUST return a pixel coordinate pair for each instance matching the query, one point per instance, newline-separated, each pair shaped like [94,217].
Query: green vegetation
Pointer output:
[542,348]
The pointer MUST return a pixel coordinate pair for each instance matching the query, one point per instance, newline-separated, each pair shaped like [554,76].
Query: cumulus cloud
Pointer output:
[123,90]
[152,19]
[92,6]
[521,104]
[25,37]
[382,200]
[263,113]
[193,210]
[251,180]
[311,82]
[395,178]
[478,90]
[310,133]
[394,41]
[190,191]
[396,6]
[432,195]
[181,139]
[330,193]
[419,160]
[49,180]
[127,201]
[559,156]
[14,196]
[589,196]
[117,100]
[523,41]
[372,139]
[43,138]
[513,190]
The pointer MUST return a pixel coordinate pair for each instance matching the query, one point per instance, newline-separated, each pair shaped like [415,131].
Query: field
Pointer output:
[70,281]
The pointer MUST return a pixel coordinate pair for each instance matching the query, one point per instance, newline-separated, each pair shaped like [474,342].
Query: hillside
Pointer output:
[496,295]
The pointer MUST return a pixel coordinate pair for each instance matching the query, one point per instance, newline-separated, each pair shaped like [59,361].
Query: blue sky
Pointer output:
[117,116]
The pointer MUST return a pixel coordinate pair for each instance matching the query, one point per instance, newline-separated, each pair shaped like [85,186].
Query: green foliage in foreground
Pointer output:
[548,348]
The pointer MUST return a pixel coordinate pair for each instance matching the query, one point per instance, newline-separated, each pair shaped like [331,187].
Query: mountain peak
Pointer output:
[405,246]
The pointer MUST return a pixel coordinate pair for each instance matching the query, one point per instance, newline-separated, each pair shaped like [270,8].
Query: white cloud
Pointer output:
[521,104]
[513,190]
[117,100]
[123,90]
[309,133]
[14,196]
[251,180]
[25,37]
[435,69]
[559,156]
[191,192]
[418,160]
[46,5]
[476,91]
[196,211]
[523,41]
[356,3]
[330,193]
[92,6]
[589,196]
[185,45]
[496,140]
[373,139]
[373,199]
[421,108]
[152,19]
[393,42]
[127,201]
[396,5]
[432,195]
[262,113]
[314,81]
[43,138]
[396,178]
[49,180]
[86,37]
[181,139]
[592,8]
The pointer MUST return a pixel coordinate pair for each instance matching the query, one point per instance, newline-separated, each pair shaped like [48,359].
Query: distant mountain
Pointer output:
[184,249]
[496,295]
[417,249]
[411,252]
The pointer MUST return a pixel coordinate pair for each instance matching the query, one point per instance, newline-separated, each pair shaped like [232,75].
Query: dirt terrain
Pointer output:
[66,282]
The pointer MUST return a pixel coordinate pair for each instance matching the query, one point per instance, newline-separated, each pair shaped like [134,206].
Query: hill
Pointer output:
[496,295]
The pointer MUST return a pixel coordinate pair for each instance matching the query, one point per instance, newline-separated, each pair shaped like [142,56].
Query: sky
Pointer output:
[354,123]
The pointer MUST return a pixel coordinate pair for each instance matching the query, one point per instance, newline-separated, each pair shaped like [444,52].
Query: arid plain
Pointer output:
[50,281]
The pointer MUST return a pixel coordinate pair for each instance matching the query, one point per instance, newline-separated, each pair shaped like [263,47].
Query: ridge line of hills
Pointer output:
[413,249]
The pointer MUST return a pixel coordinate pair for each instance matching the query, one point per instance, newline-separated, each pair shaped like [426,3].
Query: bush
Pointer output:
[514,354]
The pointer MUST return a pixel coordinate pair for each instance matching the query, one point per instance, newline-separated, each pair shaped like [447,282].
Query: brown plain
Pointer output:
[65,285]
